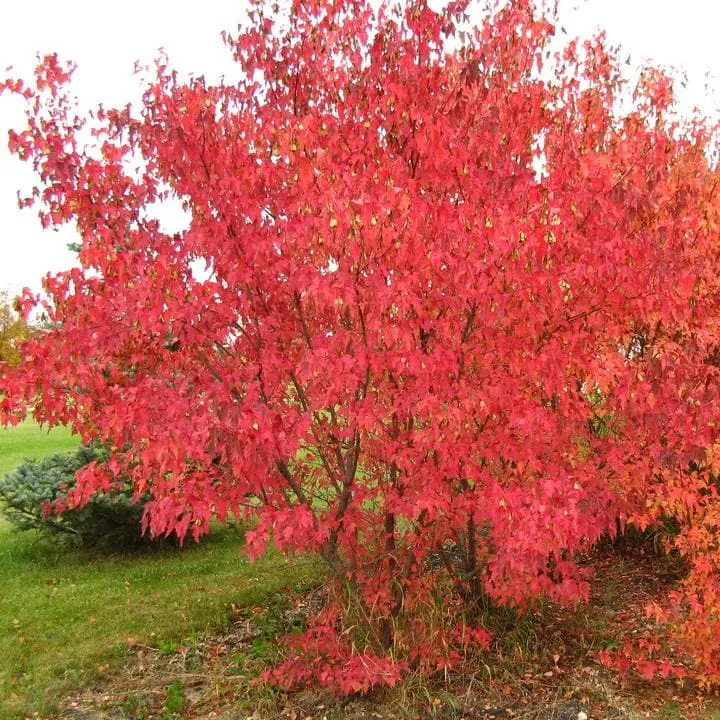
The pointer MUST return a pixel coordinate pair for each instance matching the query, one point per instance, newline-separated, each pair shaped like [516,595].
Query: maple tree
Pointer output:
[457,309]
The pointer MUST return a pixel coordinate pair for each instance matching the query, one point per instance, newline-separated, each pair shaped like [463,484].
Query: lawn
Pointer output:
[69,616]
[28,440]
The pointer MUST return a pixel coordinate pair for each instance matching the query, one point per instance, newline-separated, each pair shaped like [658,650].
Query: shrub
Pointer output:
[33,497]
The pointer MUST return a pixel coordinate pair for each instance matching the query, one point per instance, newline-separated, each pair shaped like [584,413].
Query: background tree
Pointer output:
[428,265]
[13,330]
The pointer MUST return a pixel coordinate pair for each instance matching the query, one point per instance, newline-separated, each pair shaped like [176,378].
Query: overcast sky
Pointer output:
[105,41]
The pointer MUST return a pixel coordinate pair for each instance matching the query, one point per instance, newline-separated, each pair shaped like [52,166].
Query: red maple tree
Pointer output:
[457,310]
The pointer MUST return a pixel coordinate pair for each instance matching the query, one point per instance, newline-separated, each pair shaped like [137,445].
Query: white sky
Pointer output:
[105,40]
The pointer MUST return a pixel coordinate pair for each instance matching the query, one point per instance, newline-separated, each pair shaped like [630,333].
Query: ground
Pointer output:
[545,668]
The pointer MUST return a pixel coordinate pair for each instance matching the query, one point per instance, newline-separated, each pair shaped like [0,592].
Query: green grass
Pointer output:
[28,440]
[66,615]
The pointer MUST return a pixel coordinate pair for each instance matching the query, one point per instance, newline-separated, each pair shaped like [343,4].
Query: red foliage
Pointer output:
[323,655]
[454,308]
[640,657]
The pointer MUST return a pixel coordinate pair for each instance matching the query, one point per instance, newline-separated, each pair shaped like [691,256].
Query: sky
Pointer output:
[106,40]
